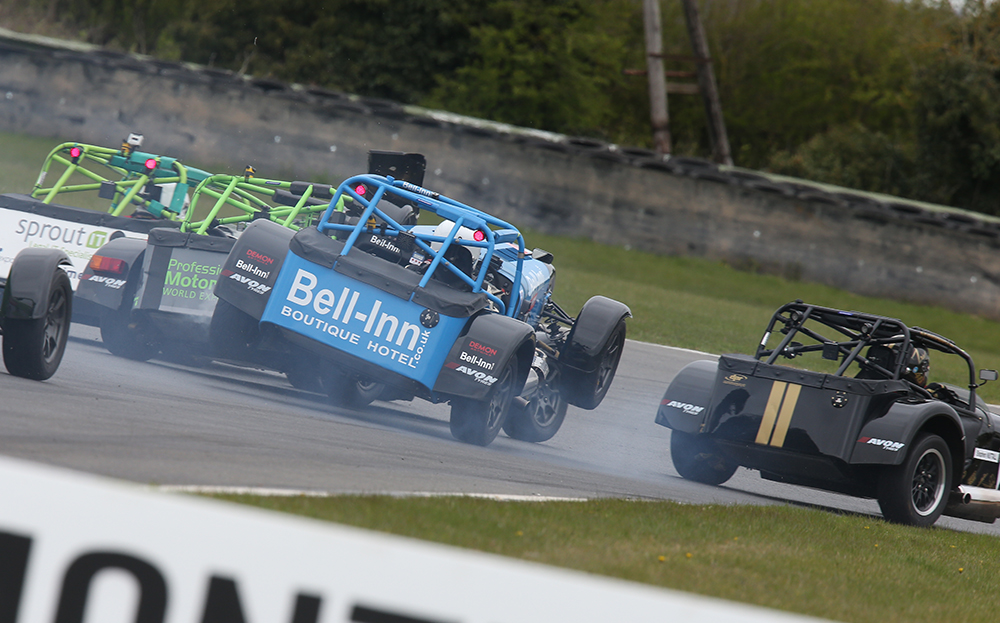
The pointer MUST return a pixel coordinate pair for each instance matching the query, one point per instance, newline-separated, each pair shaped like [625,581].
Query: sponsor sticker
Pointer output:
[190,279]
[477,375]
[253,269]
[987,455]
[109,282]
[477,361]
[736,380]
[483,350]
[346,316]
[250,283]
[19,231]
[385,243]
[259,257]
[886,444]
[687,408]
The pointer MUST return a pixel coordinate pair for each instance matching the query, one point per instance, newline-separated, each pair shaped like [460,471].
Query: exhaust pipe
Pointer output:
[975,503]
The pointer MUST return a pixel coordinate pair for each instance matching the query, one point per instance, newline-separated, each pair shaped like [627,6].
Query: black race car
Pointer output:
[839,400]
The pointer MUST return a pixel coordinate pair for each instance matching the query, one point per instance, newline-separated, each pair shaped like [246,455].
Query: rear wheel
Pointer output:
[233,333]
[540,419]
[478,421]
[34,348]
[916,492]
[125,338]
[697,458]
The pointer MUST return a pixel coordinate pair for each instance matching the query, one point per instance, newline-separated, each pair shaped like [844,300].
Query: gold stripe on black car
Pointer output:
[778,413]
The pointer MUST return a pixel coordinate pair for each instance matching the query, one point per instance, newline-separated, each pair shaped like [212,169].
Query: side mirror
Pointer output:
[542,256]
[988,375]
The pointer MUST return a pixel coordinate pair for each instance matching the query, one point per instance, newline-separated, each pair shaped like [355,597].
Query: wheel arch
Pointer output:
[486,332]
[29,283]
[263,244]
[132,252]
[901,425]
[684,406]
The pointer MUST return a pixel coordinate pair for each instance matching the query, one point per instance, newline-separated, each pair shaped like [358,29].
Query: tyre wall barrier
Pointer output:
[571,186]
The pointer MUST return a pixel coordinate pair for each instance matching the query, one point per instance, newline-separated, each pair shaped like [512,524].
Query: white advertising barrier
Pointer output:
[23,230]
[78,548]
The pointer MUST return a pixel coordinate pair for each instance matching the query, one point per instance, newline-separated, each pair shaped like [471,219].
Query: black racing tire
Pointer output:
[915,492]
[125,338]
[540,419]
[697,458]
[479,421]
[33,349]
[587,389]
[232,333]
[347,390]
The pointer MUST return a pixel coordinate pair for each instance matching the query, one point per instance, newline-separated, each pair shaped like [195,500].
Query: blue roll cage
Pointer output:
[449,209]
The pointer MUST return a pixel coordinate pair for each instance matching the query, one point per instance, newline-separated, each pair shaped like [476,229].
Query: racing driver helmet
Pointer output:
[918,362]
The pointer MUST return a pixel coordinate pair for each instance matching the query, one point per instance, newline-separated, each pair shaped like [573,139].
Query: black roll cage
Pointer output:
[861,330]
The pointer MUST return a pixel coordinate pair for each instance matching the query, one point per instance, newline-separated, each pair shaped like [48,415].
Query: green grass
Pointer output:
[21,159]
[841,567]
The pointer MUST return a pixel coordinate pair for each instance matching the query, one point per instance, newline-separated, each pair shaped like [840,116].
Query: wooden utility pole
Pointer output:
[706,83]
[657,80]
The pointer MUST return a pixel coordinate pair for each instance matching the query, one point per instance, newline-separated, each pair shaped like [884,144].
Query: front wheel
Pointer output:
[540,419]
[587,390]
[479,421]
[916,492]
[34,348]
[697,458]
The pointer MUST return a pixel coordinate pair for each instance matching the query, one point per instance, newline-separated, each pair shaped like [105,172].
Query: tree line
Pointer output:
[893,96]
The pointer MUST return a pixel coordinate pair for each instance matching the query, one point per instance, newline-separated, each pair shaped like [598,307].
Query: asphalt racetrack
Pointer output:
[163,423]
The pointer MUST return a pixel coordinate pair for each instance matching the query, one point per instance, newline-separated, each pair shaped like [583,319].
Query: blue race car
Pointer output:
[458,311]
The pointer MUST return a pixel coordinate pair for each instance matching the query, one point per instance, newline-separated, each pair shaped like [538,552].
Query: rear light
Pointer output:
[101,264]
[479,235]
[74,153]
[150,165]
